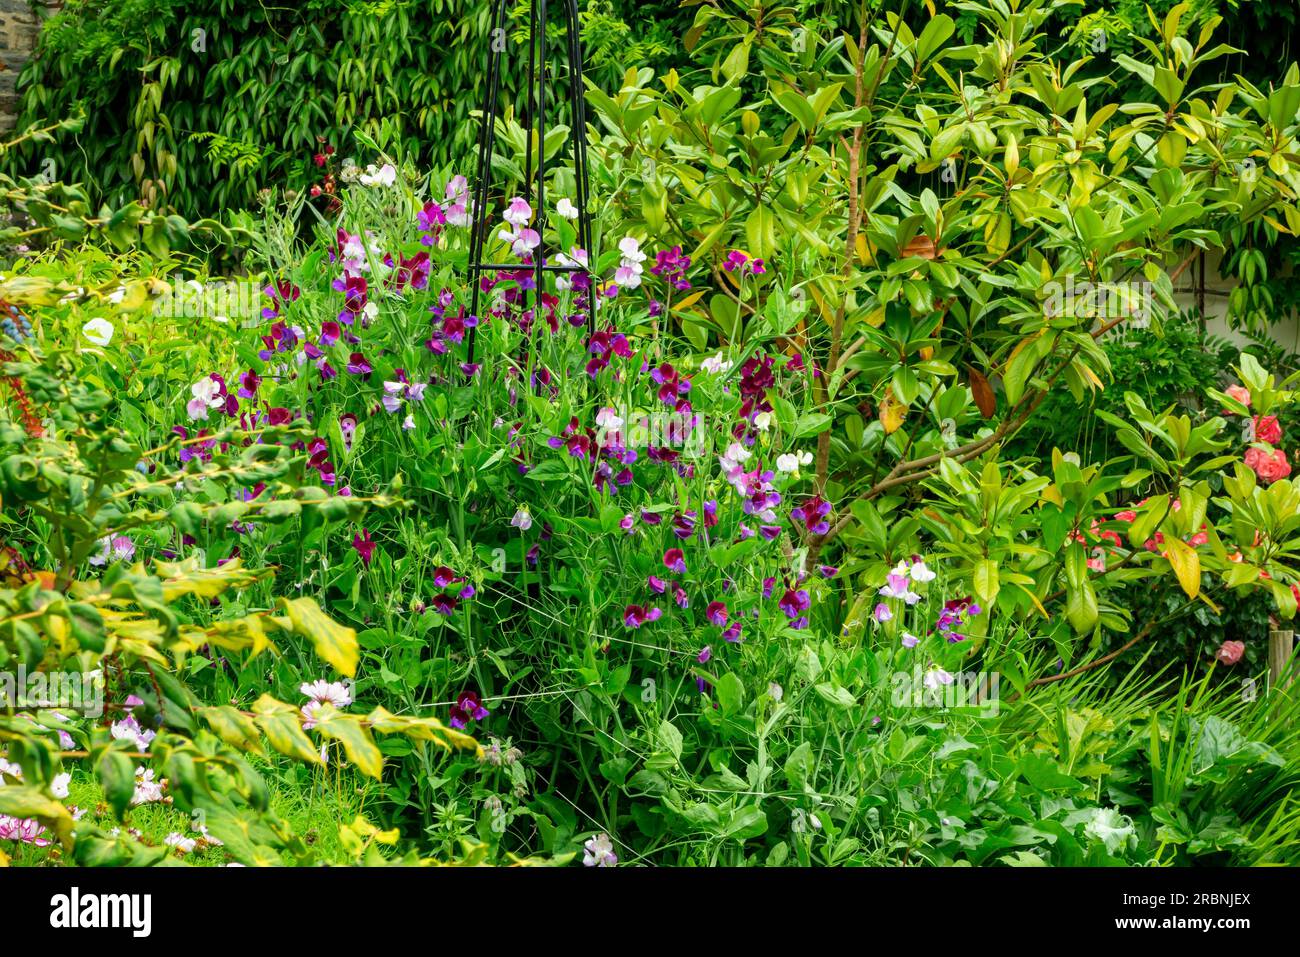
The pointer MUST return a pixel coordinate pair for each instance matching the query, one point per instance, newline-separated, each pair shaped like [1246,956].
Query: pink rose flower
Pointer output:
[1230,652]
[1240,393]
[1269,466]
[1267,429]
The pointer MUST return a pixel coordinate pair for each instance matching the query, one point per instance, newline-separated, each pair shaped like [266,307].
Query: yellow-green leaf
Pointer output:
[356,740]
[282,727]
[335,643]
[233,727]
[1186,563]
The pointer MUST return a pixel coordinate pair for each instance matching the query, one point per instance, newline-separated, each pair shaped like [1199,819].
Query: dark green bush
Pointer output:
[197,105]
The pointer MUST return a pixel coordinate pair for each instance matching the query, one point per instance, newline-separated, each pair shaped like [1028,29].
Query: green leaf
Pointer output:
[985,580]
[117,778]
[670,739]
[730,693]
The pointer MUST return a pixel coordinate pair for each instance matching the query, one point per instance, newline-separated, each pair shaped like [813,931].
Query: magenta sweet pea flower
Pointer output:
[248,383]
[793,602]
[444,576]
[634,616]
[812,513]
[675,561]
[716,613]
[365,546]
[468,707]
[444,604]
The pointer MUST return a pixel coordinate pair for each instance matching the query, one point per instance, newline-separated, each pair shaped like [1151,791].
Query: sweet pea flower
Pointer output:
[99,331]
[675,561]
[365,546]
[205,395]
[117,548]
[920,572]
[794,601]
[634,616]
[896,587]
[715,364]
[599,852]
[936,677]
[716,613]
[566,209]
[468,707]
[384,176]
[523,519]
[518,212]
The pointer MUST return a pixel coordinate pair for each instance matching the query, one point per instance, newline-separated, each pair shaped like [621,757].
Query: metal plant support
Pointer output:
[534,186]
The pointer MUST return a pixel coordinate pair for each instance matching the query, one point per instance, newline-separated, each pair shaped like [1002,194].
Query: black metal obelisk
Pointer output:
[534,177]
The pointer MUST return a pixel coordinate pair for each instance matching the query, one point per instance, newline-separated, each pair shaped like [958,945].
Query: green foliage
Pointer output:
[193,107]
[1171,365]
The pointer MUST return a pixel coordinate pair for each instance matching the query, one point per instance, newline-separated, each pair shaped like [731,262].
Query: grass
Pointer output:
[314,808]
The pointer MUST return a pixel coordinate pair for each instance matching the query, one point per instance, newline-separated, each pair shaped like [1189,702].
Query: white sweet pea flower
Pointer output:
[523,519]
[630,247]
[206,394]
[98,331]
[599,852]
[763,421]
[790,462]
[716,364]
[518,212]
[385,175]
[59,786]
[921,572]
[566,209]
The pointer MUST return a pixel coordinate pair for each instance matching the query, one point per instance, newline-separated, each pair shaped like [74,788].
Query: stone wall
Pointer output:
[20,24]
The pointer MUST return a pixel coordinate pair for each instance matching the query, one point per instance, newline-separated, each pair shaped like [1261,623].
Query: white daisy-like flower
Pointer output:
[334,692]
